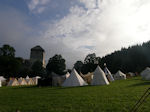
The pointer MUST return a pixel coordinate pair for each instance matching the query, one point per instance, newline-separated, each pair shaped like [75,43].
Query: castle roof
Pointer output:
[39,48]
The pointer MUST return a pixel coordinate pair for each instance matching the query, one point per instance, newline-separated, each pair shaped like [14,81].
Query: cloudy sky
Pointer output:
[73,28]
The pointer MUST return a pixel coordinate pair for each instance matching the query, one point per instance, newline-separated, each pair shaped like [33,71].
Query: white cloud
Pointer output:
[105,25]
[101,26]
[37,6]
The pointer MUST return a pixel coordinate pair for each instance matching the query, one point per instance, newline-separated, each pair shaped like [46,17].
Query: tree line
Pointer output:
[132,59]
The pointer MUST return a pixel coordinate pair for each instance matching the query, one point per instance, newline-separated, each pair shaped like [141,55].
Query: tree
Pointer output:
[78,66]
[7,50]
[90,63]
[132,59]
[37,69]
[9,66]
[56,64]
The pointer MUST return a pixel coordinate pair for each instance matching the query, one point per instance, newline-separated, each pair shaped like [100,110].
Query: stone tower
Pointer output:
[37,53]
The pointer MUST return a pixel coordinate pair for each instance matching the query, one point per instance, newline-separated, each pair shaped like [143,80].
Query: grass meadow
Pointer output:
[119,96]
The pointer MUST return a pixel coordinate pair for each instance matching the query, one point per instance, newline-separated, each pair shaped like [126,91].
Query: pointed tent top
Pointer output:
[74,80]
[27,77]
[38,48]
[119,73]
[2,78]
[99,77]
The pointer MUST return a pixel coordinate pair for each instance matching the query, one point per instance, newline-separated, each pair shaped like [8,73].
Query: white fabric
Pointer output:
[99,77]
[109,75]
[0,83]
[119,75]
[27,77]
[13,82]
[131,74]
[67,75]
[30,81]
[22,81]
[74,80]
[146,74]
[2,78]
[38,77]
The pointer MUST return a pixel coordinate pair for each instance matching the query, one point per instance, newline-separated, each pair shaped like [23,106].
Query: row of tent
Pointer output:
[99,77]
[20,81]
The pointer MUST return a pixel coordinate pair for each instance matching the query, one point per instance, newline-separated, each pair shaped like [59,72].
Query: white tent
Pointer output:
[13,82]
[35,79]
[22,81]
[146,73]
[131,74]
[27,77]
[74,80]
[0,83]
[99,77]
[108,74]
[30,81]
[2,78]
[119,75]
[87,77]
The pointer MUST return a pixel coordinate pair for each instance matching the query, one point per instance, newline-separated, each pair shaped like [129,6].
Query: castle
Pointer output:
[37,53]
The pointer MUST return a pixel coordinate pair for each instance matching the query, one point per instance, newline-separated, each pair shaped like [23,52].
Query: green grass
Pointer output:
[119,96]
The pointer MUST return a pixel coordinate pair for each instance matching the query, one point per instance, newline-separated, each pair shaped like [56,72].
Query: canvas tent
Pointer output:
[22,81]
[146,73]
[30,81]
[119,75]
[27,77]
[131,74]
[74,80]
[13,82]
[2,78]
[0,83]
[35,79]
[87,77]
[108,74]
[99,77]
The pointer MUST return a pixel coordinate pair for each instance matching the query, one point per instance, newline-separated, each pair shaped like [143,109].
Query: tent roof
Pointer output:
[2,78]
[119,73]
[74,80]
[27,77]
[99,77]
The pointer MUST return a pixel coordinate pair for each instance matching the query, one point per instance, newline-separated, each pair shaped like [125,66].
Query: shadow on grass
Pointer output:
[42,87]
[140,84]
[24,87]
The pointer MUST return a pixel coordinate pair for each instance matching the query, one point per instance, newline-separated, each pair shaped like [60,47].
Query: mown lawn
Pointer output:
[119,96]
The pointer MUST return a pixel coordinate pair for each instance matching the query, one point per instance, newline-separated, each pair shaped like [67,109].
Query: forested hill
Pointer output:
[131,59]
